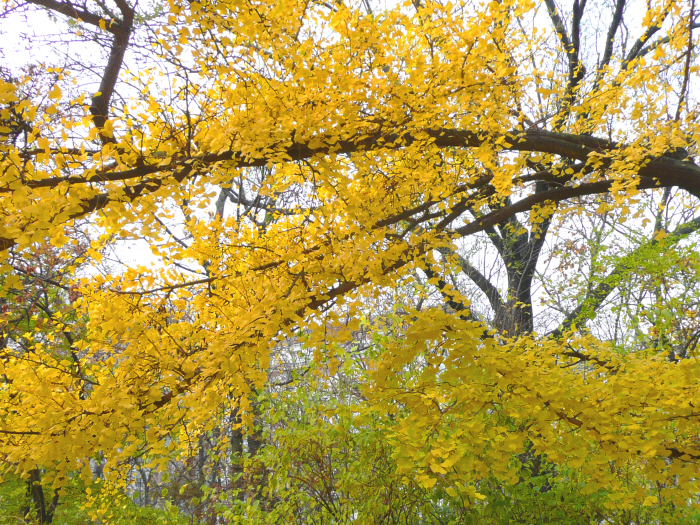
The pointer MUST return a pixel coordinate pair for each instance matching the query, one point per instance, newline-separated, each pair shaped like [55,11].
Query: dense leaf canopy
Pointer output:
[466,185]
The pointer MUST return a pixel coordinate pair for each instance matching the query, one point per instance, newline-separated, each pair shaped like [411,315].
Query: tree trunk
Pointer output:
[44,513]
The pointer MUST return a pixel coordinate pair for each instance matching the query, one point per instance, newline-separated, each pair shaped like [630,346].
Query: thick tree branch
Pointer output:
[554,195]
[667,170]
[559,25]
[576,69]
[121,29]
[111,25]
[575,147]
[651,47]
[686,67]
[528,255]
[101,100]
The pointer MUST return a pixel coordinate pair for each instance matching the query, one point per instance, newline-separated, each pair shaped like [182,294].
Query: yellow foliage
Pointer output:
[355,144]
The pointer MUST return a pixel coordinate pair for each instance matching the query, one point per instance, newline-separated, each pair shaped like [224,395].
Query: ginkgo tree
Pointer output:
[288,162]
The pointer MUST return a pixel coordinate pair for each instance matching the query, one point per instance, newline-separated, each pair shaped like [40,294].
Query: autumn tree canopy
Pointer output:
[499,197]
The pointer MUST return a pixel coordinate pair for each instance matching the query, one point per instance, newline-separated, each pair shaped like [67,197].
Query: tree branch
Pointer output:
[558,23]
[491,292]
[571,47]
[448,296]
[121,29]
[634,51]
[595,298]
[610,41]
[665,169]
[101,100]
[554,195]
[575,147]
[111,25]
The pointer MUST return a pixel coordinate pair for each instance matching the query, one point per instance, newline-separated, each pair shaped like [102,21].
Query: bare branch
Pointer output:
[686,68]
[610,40]
[571,47]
